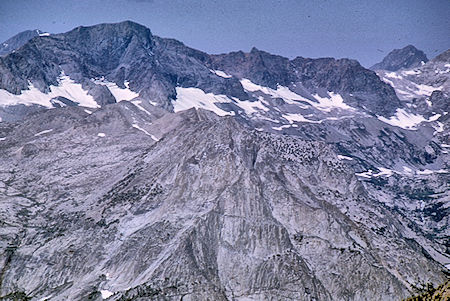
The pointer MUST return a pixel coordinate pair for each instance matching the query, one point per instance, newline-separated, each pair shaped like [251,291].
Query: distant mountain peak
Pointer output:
[443,57]
[19,40]
[407,57]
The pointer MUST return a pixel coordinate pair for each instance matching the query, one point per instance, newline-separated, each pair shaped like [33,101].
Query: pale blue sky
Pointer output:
[363,30]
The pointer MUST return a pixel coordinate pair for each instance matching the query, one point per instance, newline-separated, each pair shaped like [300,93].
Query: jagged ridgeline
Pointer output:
[133,167]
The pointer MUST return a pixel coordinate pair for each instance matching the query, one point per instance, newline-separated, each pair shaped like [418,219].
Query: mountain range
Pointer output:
[133,167]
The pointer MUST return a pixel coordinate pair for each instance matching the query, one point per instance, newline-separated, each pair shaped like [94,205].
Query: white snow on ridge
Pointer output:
[393,75]
[138,104]
[411,72]
[406,120]
[2,138]
[425,90]
[326,104]
[43,132]
[281,92]
[429,172]
[56,101]
[67,88]
[285,126]
[221,73]
[298,118]
[383,172]
[365,174]
[136,126]
[439,127]
[44,34]
[196,98]
[334,101]
[106,294]
[388,81]
[251,107]
[341,157]
[118,93]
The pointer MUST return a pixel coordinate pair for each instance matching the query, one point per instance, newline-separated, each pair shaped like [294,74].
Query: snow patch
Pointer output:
[429,171]
[67,88]
[2,138]
[196,98]
[383,172]
[411,72]
[89,112]
[136,126]
[393,75]
[56,101]
[101,134]
[406,120]
[138,103]
[118,93]
[365,174]
[43,132]
[285,126]
[281,92]
[341,157]
[251,107]
[407,170]
[388,81]
[425,90]
[439,127]
[221,73]
[297,117]
[106,294]
[333,101]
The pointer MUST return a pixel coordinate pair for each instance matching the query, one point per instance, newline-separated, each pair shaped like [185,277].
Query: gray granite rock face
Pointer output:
[407,57]
[213,210]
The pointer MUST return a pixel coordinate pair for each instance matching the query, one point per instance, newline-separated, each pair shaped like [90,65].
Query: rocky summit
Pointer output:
[407,57]
[133,167]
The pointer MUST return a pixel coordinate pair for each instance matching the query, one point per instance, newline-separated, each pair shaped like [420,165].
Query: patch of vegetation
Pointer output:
[16,296]
[430,293]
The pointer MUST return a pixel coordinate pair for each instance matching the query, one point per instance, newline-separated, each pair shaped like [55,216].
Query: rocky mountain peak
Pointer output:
[407,57]
[19,40]
[443,57]
[109,30]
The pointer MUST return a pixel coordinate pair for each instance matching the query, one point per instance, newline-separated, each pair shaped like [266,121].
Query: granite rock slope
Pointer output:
[210,210]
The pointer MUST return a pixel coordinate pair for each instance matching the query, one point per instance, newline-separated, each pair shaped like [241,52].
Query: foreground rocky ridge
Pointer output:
[212,210]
